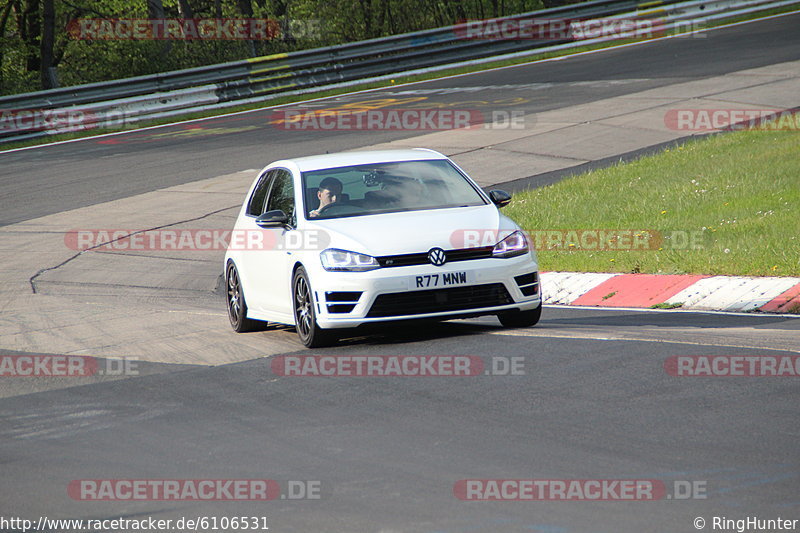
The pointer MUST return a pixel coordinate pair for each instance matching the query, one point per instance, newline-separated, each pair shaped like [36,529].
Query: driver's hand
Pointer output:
[314,213]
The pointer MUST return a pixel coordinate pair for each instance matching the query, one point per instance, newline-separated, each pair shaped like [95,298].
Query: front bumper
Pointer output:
[351,299]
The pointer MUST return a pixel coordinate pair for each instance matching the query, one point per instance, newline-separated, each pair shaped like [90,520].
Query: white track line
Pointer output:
[534,332]
[694,311]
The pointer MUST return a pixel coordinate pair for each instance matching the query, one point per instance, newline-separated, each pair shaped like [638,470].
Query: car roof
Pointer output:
[343,159]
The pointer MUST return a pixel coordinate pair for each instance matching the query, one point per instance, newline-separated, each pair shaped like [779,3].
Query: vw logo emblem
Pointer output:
[437,256]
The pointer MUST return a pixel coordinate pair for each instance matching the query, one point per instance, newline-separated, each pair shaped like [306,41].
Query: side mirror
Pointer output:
[272,219]
[499,198]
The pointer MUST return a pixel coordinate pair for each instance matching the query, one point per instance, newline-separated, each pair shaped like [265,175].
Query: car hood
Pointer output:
[413,231]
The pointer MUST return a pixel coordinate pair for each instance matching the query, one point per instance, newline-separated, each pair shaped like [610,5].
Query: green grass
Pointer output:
[278,99]
[665,305]
[737,195]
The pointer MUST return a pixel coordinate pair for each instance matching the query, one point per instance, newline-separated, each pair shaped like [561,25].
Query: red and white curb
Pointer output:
[708,293]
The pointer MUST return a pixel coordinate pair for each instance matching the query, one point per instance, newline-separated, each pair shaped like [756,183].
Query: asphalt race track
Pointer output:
[592,397]
[388,451]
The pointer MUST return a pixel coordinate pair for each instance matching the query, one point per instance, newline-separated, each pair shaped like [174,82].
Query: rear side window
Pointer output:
[281,195]
[256,205]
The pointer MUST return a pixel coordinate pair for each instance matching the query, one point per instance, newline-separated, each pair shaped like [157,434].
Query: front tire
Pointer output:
[521,319]
[237,307]
[305,315]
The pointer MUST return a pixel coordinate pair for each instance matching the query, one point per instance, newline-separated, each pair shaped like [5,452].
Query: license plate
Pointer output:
[441,279]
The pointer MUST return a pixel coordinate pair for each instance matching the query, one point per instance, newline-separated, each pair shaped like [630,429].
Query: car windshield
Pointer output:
[386,188]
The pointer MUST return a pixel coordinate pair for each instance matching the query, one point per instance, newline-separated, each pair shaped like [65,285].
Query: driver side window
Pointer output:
[281,194]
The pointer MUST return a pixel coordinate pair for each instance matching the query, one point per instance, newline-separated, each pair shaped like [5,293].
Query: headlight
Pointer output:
[512,246]
[334,260]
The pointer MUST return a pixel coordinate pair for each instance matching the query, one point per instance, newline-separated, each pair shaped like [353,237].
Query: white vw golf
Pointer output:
[342,240]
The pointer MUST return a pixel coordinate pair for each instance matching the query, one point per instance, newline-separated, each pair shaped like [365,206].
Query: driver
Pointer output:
[330,190]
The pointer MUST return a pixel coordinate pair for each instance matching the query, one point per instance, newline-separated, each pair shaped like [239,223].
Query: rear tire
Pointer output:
[521,319]
[305,315]
[237,307]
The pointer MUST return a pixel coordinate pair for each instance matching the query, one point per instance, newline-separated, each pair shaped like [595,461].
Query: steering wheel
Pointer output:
[326,207]
[340,208]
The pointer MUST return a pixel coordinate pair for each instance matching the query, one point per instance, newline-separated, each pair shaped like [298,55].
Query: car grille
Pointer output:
[440,300]
[421,258]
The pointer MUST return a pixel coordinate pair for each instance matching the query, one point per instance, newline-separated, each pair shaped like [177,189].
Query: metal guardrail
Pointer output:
[118,102]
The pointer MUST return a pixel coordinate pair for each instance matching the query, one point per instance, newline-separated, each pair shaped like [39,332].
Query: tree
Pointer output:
[246,9]
[155,9]
[4,16]
[185,9]
[34,39]
[47,69]
[29,26]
